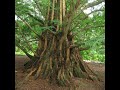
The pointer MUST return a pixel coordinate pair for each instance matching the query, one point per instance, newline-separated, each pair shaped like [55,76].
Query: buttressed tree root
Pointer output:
[57,58]
[58,65]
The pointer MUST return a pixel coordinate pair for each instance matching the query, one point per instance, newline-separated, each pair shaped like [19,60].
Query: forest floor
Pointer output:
[41,84]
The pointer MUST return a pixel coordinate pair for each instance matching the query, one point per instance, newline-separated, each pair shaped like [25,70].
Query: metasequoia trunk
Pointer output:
[57,58]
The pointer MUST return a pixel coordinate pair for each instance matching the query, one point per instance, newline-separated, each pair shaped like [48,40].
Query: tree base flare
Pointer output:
[57,61]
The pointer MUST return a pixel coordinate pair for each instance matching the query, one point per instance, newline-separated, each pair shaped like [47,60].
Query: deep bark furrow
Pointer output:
[59,63]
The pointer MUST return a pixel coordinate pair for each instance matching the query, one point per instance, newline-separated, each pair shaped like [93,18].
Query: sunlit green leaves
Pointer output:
[88,31]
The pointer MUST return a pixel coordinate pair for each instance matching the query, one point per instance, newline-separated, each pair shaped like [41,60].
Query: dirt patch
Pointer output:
[42,84]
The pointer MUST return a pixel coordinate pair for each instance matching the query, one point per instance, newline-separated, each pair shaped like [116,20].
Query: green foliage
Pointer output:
[92,37]
[89,32]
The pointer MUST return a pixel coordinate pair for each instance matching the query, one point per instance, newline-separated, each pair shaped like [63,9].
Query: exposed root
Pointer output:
[60,61]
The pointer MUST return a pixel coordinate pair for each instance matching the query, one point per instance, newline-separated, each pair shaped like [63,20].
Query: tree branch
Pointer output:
[26,40]
[91,13]
[71,13]
[61,11]
[27,24]
[39,20]
[88,27]
[37,5]
[84,17]
[24,50]
[92,4]
[53,6]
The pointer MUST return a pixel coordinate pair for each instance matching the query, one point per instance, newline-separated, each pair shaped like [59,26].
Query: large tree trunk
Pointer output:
[57,58]
[58,63]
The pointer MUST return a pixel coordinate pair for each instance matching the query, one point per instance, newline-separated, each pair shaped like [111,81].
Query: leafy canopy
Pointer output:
[89,31]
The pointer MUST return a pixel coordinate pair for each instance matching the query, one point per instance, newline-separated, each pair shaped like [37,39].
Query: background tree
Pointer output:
[54,25]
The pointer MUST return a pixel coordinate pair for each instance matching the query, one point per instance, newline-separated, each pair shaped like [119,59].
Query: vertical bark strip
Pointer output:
[64,8]
[56,1]
[45,47]
[68,55]
[48,10]
[52,16]
[61,12]
[57,13]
